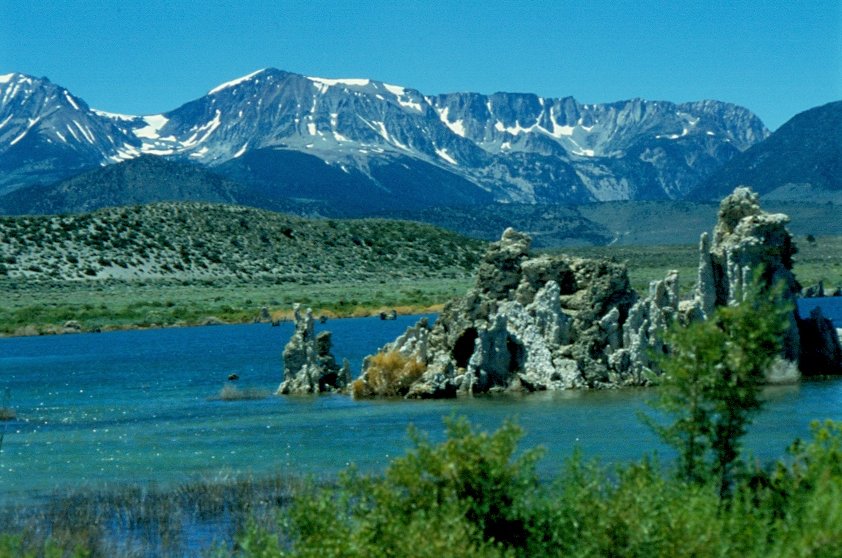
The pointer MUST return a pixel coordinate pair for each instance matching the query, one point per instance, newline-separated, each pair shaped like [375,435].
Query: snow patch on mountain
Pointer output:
[517,129]
[85,131]
[403,97]
[154,123]
[71,101]
[234,82]
[395,90]
[446,156]
[334,82]
[457,127]
[114,115]
[207,129]
[125,153]
[32,122]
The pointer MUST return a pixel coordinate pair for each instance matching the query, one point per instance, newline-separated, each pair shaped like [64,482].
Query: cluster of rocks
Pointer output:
[818,291]
[309,366]
[561,322]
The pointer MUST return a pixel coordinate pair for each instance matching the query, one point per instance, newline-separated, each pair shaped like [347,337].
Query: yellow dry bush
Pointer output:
[388,374]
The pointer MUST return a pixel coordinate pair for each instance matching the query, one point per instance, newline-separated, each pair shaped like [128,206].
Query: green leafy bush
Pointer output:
[711,380]
[472,495]
[464,497]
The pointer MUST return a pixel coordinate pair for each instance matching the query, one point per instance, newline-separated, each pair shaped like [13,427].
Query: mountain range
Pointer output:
[357,145]
[801,161]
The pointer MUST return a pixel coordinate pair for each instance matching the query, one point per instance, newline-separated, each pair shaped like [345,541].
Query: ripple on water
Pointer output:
[136,406]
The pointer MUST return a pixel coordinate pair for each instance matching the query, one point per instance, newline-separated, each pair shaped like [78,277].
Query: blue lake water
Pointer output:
[136,406]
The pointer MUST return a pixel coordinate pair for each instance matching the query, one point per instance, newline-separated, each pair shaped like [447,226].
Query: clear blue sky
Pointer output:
[141,57]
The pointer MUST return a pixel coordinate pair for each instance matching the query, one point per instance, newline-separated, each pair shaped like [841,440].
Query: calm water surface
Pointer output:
[136,406]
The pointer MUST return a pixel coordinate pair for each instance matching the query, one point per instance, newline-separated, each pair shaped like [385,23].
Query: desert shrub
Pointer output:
[463,497]
[387,374]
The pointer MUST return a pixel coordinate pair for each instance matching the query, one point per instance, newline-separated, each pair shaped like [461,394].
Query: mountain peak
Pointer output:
[235,82]
[514,147]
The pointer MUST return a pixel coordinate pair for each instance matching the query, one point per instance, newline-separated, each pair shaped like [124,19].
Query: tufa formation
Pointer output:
[309,366]
[560,322]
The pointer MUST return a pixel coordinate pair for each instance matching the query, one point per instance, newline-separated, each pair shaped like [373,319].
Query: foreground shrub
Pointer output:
[467,496]
[387,374]
[472,495]
[711,381]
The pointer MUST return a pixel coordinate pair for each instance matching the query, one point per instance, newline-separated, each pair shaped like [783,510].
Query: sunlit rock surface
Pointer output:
[560,322]
[309,366]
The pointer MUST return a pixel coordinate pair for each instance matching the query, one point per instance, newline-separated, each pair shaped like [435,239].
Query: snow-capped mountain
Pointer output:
[308,137]
[46,133]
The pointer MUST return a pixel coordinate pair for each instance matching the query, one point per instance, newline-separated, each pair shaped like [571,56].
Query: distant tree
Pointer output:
[710,383]
[811,239]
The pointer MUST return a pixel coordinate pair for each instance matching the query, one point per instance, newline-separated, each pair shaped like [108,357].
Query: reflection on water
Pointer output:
[138,406]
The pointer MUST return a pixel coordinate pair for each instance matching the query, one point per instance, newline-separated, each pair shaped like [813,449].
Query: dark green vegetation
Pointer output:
[169,264]
[474,495]
[801,161]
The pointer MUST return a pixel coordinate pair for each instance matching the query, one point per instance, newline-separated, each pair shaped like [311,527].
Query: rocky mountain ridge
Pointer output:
[368,137]
[800,161]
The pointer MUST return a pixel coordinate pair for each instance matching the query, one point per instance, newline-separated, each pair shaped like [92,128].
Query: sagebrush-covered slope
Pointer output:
[199,240]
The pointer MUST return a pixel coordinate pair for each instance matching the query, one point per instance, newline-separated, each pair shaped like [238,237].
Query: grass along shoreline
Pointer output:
[37,307]
[45,308]
[174,264]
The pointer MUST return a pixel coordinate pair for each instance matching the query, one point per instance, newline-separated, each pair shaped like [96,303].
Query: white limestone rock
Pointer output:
[309,366]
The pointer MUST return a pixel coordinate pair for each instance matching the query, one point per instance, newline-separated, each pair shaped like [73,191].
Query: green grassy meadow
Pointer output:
[33,308]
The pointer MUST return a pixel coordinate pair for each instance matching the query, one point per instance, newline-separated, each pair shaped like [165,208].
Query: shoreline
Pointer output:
[282,316]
